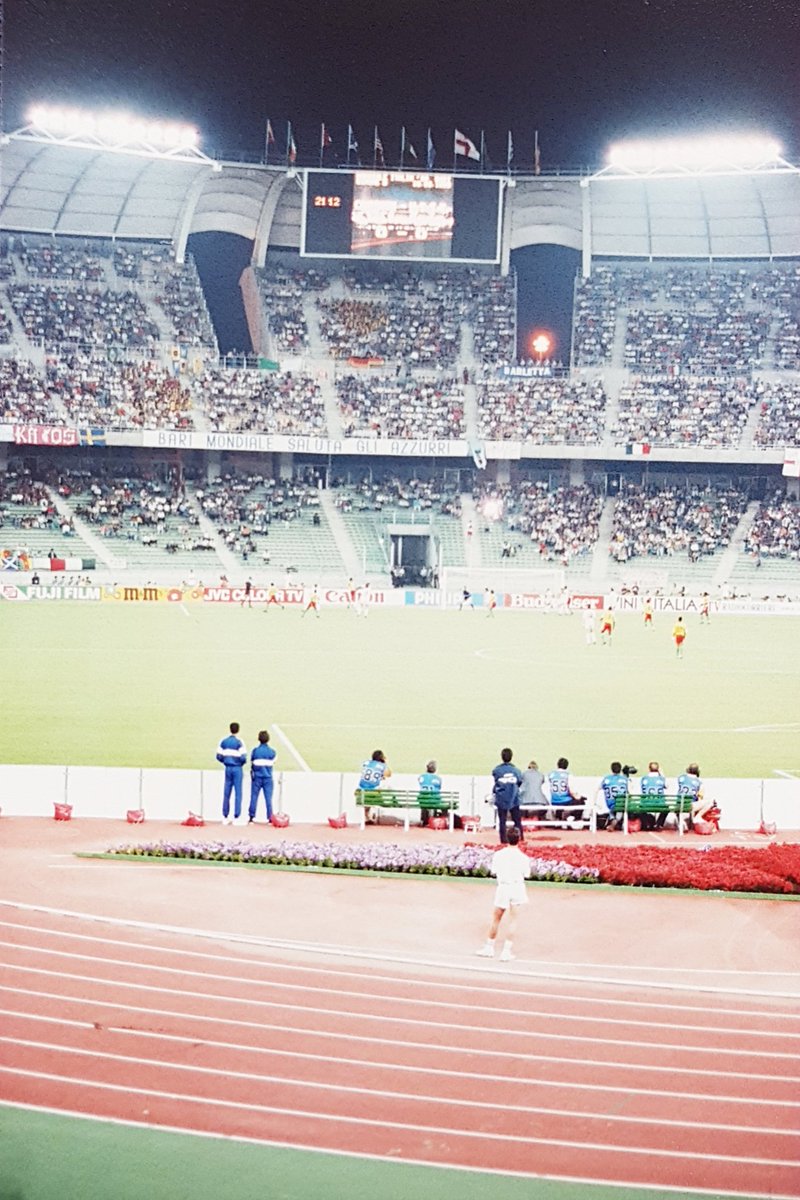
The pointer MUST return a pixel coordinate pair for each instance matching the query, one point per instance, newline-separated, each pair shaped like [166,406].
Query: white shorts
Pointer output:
[510,893]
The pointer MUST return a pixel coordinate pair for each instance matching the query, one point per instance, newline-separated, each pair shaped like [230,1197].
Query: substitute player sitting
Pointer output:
[511,867]
[373,773]
[612,791]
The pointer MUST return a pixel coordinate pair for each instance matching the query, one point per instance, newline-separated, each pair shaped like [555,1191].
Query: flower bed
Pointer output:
[774,868]
[467,860]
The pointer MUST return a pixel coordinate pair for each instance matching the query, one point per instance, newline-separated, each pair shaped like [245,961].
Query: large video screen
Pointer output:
[410,215]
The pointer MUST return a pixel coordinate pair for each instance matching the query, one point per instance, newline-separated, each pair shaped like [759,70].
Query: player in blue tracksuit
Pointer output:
[232,753]
[614,787]
[262,760]
[505,790]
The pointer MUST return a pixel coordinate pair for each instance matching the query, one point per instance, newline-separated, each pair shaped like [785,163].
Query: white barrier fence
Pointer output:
[312,797]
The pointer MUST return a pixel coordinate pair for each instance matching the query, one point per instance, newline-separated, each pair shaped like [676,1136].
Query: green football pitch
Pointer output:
[132,685]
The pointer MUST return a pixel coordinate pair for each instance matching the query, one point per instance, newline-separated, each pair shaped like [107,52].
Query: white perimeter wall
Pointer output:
[312,797]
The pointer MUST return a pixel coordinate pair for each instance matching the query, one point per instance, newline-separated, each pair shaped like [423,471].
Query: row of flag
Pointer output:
[463,147]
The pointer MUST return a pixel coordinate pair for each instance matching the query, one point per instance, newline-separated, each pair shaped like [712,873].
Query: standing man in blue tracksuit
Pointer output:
[507,777]
[232,753]
[262,760]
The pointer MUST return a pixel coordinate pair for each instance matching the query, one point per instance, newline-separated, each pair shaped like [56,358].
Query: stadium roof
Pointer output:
[54,188]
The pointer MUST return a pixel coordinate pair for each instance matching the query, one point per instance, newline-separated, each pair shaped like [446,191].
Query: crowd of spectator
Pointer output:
[594,318]
[284,291]
[492,312]
[243,507]
[723,341]
[395,492]
[391,407]
[261,402]
[181,297]
[775,533]
[62,258]
[541,410]
[94,391]
[779,414]
[562,522]
[136,508]
[662,521]
[82,315]
[421,329]
[24,396]
[683,411]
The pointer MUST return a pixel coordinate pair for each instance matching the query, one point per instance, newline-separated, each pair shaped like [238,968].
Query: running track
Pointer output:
[470,1069]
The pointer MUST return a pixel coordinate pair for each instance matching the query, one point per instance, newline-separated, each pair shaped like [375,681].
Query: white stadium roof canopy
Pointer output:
[56,188]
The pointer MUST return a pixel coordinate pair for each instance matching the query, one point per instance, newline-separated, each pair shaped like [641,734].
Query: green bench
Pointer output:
[634,806]
[394,798]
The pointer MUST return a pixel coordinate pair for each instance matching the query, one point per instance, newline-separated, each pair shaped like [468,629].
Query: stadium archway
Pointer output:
[220,259]
[545,290]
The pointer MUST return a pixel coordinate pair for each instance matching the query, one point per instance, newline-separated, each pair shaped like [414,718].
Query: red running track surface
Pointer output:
[485,1070]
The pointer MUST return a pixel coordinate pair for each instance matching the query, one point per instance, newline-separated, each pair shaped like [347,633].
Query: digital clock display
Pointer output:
[327,201]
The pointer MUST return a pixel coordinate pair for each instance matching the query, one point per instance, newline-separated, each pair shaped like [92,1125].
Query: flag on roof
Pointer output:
[465,146]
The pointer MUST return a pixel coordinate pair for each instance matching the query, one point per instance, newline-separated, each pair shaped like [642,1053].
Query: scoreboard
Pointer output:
[410,215]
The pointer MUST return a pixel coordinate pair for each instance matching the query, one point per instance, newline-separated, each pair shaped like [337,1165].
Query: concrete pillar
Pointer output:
[285,465]
[577,472]
[213,464]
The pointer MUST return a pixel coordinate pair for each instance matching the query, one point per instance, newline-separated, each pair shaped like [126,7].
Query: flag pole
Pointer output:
[321,142]
[266,143]
[288,143]
[483,150]
[402,145]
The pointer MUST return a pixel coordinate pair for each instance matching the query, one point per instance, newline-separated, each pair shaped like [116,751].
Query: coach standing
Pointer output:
[507,779]
[232,753]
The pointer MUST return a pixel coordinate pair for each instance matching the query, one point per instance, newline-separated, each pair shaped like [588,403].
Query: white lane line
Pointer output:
[381,997]
[315,1010]
[126,1123]
[383,1064]
[341,1118]
[185,610]
[793,775]
[483,969]
[488,1105]
[495,1054]
[439,985]
[290,746]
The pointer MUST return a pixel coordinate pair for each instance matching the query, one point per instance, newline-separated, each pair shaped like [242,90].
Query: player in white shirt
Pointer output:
[590,626]
[511,867]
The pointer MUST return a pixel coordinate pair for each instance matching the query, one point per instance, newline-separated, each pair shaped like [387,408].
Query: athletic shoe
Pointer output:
[485,952]
[507,956]
[238,820]
[227,820]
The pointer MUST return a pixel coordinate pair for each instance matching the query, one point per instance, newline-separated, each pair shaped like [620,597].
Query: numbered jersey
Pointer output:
[615,787]
[559,787]
[653,785]
[688,785]
[372,773]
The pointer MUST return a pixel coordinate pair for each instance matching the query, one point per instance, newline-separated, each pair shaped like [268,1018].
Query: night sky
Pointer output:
[581,72]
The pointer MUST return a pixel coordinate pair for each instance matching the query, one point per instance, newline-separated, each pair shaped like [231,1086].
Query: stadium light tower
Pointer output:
[707,154]
[112,130]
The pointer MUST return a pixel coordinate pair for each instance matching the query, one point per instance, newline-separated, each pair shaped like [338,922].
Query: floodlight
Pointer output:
[695,153]
[111,128]
[541,344]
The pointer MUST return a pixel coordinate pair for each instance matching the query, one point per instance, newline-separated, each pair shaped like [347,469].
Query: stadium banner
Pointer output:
[295,597]
[526,371]
[43,435]
[269,443]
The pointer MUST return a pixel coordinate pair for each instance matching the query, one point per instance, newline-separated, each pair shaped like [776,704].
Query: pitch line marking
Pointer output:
[408,1127]
[315,1010]
[467,965]
[712,1193]
[793,775]
[382,1064]
[439,985]
[290,746]
[350,994]
[494,1054]
[379,1093]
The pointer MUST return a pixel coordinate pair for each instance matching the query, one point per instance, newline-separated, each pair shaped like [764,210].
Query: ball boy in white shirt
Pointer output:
[511,867]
